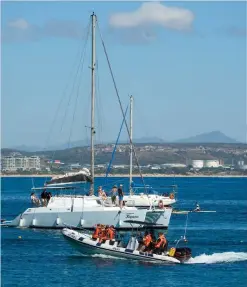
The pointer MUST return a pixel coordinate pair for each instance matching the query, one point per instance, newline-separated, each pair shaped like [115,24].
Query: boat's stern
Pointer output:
[183,254]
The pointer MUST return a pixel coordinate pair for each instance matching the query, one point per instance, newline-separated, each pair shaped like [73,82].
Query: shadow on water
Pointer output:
[97,260]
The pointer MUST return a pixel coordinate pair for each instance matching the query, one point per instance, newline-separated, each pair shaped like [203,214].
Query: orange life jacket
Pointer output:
[102,234]
[96,233]
[161,242]
[147,240]
[110,233]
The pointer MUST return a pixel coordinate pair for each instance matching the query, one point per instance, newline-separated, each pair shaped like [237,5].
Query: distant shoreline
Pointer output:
[124,175]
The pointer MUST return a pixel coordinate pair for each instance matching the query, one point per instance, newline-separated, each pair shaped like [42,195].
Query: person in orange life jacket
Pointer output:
[110,233]
[97,232]
[147,239]
[103,233]
[160,244]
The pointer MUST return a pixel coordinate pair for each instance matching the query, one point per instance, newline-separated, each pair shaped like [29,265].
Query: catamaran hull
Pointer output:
[144,201]
[44,217]
[86,246]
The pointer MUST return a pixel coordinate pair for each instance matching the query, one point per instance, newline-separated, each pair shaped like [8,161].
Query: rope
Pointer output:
[78,87]
[60,103]
[120,103]
[113,152]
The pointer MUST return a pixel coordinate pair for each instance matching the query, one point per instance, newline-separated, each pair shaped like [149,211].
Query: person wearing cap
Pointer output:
[114,194]
[120,195]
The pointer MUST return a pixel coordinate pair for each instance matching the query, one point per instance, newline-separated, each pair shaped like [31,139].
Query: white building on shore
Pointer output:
[14,163]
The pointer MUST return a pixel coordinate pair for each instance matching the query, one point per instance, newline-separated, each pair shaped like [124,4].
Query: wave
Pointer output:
[224,257]
[103,256]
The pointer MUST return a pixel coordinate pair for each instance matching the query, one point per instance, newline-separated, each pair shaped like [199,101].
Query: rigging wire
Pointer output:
[62,97]
[78,86]
[73,86]
[99,105]
[120,103]
[59,106]
[115,147]
[70,96]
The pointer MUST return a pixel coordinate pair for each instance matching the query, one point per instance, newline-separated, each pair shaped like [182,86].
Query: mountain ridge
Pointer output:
[209,137]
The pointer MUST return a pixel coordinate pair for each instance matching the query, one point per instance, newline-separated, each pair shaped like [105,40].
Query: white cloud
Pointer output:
[19,24]
[154,13]
[20,30]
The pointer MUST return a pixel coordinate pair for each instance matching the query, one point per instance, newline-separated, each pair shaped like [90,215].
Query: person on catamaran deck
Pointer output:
[114,194]
[44,197]
[34,199]
[161,204]
[120,195]
[101,193]
[48,196]
[197,207]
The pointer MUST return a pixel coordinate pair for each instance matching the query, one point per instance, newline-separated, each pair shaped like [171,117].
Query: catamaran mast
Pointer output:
[92,99]
[131,147]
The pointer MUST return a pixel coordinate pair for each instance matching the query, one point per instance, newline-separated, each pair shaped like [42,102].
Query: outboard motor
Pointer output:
[182,254]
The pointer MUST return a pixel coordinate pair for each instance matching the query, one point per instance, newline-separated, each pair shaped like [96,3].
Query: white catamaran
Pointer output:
[85,211]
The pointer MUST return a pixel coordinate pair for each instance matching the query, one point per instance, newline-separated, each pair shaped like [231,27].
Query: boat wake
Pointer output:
[224,257]
[218,258]
[103,256]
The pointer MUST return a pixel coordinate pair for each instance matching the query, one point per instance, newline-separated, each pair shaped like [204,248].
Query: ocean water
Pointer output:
[218,242]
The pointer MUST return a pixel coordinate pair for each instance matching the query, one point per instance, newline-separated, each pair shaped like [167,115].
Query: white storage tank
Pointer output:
[197,163]
[212,163]
[241,163]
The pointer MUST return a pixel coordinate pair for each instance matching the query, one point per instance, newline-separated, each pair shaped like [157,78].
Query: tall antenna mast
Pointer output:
[131,138]
[92,99]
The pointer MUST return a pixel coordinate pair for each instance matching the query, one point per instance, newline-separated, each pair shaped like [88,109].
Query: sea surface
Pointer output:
[218,241]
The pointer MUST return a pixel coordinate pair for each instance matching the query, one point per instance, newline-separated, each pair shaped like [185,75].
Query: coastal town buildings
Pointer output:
[14,163]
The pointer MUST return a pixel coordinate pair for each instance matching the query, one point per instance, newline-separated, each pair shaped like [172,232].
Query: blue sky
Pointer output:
[185,65]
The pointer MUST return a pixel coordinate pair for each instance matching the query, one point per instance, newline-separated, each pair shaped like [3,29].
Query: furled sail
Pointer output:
[71,177]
